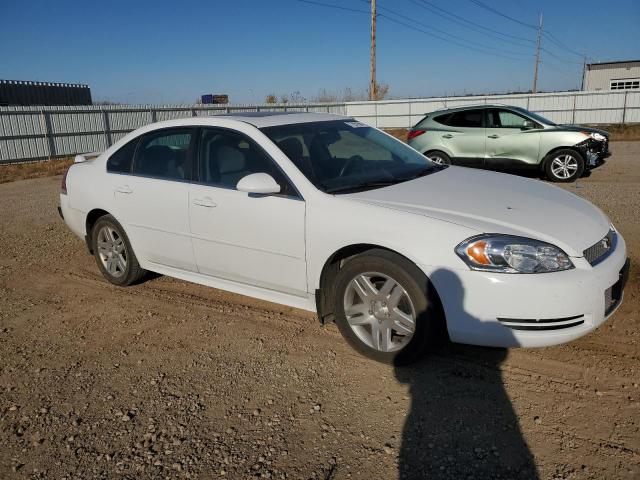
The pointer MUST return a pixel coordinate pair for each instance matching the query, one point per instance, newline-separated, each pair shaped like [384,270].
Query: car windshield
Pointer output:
[345,156]
[536,117]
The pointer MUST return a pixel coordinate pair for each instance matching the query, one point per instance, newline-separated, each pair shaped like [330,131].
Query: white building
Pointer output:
[623,75]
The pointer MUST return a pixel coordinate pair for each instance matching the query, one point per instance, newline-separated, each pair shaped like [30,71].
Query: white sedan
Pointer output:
[327,214]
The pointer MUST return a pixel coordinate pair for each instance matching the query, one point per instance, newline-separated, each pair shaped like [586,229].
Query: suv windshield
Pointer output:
[344,156]
[535,116]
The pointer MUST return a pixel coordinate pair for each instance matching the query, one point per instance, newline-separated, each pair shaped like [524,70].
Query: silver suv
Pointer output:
[501,137]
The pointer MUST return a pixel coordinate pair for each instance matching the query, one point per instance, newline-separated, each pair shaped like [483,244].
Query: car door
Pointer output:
[513,140]
[466,136]
[257,240]
[151,200]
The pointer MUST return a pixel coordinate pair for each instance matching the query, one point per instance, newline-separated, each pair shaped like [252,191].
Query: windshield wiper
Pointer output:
[363,186]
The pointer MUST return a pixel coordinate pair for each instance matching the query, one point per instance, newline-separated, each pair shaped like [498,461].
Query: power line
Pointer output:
[452,17]
[471,46]
[563,60]
[443,32]
[330,5]
[550,36]
[497,12]
[418,29]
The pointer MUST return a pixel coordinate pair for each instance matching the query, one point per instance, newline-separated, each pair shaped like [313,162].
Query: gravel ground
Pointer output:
[173,380]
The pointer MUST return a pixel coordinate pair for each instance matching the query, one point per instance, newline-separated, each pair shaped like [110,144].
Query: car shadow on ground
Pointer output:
[461,423]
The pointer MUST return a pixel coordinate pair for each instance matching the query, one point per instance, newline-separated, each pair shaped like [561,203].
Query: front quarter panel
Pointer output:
[334,222]
[554,139]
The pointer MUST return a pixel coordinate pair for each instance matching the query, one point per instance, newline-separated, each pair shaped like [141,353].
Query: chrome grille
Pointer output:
[601,249]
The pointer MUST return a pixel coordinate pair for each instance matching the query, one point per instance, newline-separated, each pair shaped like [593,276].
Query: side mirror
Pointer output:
[528,125]
[261,183]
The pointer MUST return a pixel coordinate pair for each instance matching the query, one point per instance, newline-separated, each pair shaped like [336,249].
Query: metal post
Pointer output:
[573,115]
[373,88]
[152,115]
[45,121]
[534,88]
[193,112]
[624,107]
[106,128]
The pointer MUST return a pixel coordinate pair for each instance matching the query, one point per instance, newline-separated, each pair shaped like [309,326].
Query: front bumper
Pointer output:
[514,310]
[594,152]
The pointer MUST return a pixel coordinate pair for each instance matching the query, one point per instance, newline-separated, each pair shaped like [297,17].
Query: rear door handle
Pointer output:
[494,136]
[204,202]
[447,135]
[126,189]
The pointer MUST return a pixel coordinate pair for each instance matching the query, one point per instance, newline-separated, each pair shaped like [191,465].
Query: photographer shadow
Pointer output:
[461,423]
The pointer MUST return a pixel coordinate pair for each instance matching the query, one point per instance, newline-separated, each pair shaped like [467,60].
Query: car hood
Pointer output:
[491,202]
[581,128]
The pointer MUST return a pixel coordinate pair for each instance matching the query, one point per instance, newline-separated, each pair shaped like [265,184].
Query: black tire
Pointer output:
[428,315]
[550,168]
[436,156]
[132,271]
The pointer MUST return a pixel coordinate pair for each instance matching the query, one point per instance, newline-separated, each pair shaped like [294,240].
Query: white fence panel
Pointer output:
[35,133]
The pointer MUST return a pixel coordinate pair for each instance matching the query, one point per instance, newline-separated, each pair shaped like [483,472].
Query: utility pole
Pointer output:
[535,68]
[373,88]
[584,70]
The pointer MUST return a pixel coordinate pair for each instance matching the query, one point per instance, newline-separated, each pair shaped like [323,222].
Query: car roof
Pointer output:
[257,119]
[472,107]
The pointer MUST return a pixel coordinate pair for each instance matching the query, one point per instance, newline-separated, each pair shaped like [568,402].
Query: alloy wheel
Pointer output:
[564,166]
[112,251]
[437,159]
[379,311]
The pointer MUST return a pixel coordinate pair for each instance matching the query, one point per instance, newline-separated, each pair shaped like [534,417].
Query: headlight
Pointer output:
[511,254]
[596,136]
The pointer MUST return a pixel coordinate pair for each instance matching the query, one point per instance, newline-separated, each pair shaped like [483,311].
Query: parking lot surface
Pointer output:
[168,379]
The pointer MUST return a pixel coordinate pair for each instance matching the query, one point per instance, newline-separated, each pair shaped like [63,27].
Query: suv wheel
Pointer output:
[113,253]
[438,157]
[383,307]
[564,166]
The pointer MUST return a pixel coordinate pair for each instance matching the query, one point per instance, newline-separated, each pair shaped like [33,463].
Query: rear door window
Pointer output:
[466,119]
[165,154]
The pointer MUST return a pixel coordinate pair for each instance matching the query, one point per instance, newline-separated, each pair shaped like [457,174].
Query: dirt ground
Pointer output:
[173,380]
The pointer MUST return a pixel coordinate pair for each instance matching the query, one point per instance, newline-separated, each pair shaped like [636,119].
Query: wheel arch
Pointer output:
[92,218]
[547,157]
[438,149]
[325,293]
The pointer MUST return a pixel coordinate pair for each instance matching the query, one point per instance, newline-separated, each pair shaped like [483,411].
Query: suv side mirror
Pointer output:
[261,183]
[528,125]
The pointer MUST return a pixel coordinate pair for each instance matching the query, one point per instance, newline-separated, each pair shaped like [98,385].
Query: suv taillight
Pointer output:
[63,187]
[414,133]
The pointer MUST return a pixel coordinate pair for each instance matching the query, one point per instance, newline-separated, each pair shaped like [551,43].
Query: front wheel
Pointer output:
[385,307]
[564,166]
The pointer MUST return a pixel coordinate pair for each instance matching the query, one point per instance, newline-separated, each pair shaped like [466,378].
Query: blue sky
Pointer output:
[173,51]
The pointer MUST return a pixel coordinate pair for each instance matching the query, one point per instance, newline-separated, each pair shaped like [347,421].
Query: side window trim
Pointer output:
[269,158]
[188,156]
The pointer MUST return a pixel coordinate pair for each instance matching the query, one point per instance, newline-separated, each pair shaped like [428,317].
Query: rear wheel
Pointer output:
[113,253]
[564,165]
[438,157]
[384,307]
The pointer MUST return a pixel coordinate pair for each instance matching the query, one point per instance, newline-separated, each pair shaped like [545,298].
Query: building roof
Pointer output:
[605,64]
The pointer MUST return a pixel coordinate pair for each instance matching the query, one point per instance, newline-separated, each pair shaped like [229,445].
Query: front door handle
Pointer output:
[494,136]
[126,189]
[447,135]
[204,202]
